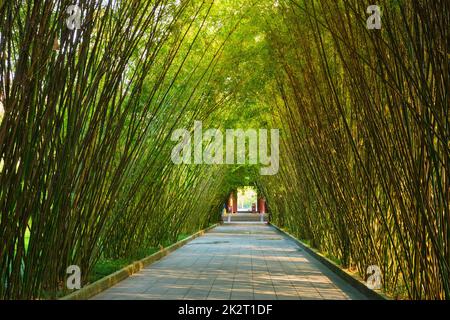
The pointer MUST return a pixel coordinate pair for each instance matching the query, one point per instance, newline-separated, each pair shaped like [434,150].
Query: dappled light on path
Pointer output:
[235,261]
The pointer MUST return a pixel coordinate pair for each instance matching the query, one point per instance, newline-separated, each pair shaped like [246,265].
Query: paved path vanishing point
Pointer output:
[237,261]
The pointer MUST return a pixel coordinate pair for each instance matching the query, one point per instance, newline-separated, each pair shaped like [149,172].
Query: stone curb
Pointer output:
[108,281]
[354,281]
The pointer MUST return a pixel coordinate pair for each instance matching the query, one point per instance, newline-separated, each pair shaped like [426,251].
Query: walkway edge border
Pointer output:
[101,285]
[343,274]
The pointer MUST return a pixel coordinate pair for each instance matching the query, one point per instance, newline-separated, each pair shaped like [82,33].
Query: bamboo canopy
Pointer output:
[88,114]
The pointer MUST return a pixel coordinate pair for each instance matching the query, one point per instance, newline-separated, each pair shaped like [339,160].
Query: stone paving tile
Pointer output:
[237,261]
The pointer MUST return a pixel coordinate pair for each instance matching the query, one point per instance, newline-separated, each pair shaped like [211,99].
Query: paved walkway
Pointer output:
[235,261]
